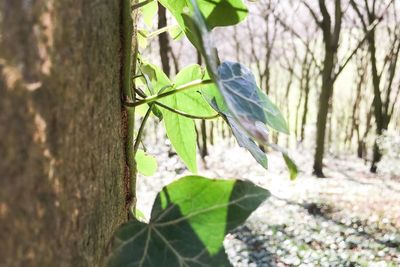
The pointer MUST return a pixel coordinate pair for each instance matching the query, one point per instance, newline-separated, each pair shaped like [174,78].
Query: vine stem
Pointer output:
[129,52]
[159,31]
[182,113]
[187,115]
[139,5]
[141,130]
[178,89]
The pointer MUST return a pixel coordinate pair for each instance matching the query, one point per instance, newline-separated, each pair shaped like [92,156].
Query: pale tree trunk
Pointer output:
[62,156]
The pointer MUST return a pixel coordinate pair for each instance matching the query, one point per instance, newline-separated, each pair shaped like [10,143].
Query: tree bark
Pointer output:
[163,40]
[331,41]
[62,155]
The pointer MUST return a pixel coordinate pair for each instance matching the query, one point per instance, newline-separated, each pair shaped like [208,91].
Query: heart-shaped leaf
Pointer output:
[146,165]
[148,12]
[246,142]
[189,221]
[248,104]
[182,134]
[215,99]
[192,102]
[216,12]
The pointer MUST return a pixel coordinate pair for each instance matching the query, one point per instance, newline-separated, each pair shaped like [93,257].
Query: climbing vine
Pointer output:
[191,216]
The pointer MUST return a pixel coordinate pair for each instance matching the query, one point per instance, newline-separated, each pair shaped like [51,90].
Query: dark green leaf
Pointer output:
[157,112]
[189,221]
[216,12]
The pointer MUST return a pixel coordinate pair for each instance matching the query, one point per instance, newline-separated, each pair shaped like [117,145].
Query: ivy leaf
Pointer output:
[216,12]
[149,11]
[176,32]
[182,134]
[142,38]
[146,165]
[154,77]
[292,167]
[223,12]
[246,142]
[215,100]
[189,221]
[248,104]
[192,102]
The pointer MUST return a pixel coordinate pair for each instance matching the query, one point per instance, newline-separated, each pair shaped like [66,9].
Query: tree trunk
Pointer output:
[163,40]
[323,107]
[305,107]
[62,155]
[204,149]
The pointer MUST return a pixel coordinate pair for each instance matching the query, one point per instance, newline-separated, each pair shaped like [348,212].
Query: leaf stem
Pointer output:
[140,131]
[159,31]
[178,89]
[139,5]
[184,114]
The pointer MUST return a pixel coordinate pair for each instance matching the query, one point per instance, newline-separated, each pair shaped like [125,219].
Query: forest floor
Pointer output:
[350,218]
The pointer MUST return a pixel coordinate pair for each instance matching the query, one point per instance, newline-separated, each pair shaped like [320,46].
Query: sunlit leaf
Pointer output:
[182,134]
[176,32]
[290,164]
[155,79]
[292,167]
[192,102]
[189,221]
[139,215]
[148,12]
[216,12]
[146,165]
[142,39]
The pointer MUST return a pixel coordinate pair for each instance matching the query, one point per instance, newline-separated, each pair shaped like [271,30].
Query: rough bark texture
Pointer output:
[62,159]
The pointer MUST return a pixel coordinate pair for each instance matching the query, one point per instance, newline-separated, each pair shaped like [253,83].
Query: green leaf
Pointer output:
[182,134]
[142,38]
[148,12]
[146,165]
[246,142]
[192,102]
[248,104]
[189,221]
[155,78]
[216,100]
[176,32]
[139,215]
[216,12]
[292,167]
[156,111]
[223,12]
